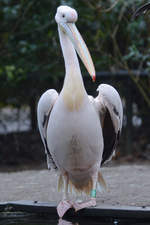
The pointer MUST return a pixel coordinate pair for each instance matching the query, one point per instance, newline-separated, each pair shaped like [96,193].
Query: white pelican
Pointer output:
[79,132]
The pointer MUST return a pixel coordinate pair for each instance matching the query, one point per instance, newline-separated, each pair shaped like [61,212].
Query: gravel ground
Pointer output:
[128,185]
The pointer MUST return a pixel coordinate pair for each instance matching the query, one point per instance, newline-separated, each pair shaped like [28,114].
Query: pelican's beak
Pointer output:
[80,46]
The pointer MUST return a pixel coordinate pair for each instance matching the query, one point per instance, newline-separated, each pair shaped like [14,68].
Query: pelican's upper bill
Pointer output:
[66,18]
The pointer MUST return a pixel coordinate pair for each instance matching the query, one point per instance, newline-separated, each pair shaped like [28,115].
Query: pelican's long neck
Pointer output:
[73,89]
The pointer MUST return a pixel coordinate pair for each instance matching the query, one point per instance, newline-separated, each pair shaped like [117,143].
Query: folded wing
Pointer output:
[109,107]
[45,106]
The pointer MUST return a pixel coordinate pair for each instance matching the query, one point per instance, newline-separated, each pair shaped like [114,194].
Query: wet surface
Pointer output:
[54,221]
[86,217]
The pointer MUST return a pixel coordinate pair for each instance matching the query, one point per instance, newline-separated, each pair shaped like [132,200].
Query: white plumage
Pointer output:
[79,132]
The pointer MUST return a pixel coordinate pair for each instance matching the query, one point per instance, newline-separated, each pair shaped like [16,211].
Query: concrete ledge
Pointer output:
[120,212]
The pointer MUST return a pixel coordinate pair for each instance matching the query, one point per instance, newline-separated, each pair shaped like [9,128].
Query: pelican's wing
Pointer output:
[108,105]
[45,105]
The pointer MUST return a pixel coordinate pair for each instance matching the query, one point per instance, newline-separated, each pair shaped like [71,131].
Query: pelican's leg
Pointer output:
[65,204]
[92,201]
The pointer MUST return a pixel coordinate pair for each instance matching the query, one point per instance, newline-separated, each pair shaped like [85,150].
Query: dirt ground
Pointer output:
[128,185]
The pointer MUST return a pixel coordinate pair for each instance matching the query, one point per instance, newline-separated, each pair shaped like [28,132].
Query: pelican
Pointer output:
[79,132]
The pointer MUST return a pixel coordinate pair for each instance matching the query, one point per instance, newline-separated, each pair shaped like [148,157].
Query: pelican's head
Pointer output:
[66,18]
[66,14]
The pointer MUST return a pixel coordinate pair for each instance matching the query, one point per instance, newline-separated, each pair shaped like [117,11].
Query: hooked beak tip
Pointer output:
[94,78]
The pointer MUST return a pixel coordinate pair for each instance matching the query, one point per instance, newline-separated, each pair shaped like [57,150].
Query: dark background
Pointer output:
[31,62]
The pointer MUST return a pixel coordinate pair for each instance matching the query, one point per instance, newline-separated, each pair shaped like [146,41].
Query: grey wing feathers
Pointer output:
[45,105]
[109,106]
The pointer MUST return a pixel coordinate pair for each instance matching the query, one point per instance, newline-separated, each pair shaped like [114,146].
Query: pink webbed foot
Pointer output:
[90,203]
[64,222]
[63,207]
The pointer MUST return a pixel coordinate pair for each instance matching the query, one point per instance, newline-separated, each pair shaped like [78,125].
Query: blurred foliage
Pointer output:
[30,55]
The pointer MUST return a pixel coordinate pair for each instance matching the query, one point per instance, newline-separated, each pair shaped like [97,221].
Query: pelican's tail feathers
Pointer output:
[60,185]
[74,186]
[101,184]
